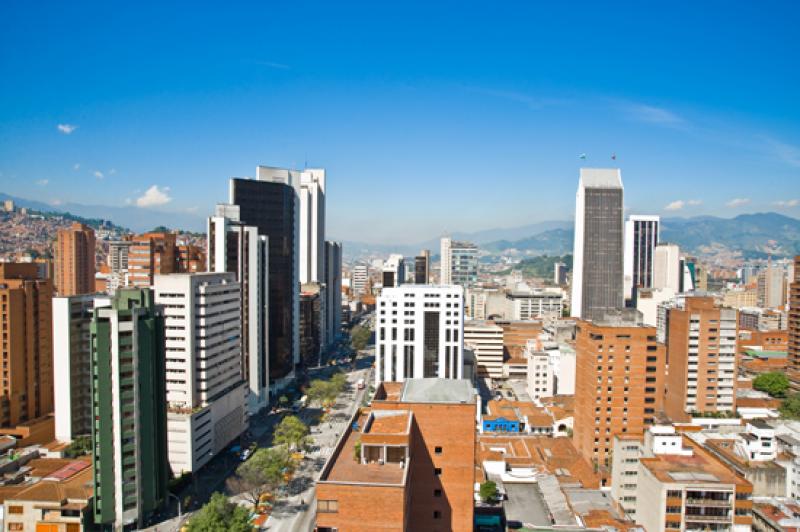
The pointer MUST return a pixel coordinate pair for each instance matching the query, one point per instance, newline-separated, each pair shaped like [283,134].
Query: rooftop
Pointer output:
[437,391]
[601,178]
[701,466]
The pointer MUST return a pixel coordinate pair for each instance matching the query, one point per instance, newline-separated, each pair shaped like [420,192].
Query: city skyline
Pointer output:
[164,122]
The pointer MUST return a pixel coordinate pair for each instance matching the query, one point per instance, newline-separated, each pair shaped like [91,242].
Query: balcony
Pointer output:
[707,518]
[708,502]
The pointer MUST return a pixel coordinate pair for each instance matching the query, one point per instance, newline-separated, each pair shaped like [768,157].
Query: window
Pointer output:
[328,507]
[437,450]
[15,526]
[437,493]
[437,471]
[437,514]
[15,509]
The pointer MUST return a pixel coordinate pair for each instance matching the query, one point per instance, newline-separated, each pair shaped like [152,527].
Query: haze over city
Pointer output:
[451,116]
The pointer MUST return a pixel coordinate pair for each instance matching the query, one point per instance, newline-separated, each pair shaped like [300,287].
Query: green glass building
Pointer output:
[129,432]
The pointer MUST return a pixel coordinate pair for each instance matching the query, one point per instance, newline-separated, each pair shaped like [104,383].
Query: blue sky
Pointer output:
[428,118]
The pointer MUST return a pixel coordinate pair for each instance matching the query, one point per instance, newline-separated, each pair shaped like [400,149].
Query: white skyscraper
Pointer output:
[419,333]
[459,262]
[312,225]
[240,249]
[206,396]
[359,277]
[668,268]
[641,239]
[394,271]
[446,261]
[598,255]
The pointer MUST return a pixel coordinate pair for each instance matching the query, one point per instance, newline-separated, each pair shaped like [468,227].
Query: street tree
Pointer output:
[291,432]
[267,469]
[790,408]
[220,515]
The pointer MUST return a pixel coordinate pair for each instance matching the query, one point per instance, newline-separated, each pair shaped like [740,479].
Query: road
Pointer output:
[296,510]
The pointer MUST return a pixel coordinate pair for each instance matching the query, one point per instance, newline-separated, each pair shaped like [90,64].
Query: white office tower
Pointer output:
[668,268]
[394,271]
[486,341]
[598,255]
[206,396]
[527,303]
[240,249]
[641,239]
[459,262]
[72,364]
[559,274]
[419,333]
[333,291]
[771,287]
[359,276]
[312,225]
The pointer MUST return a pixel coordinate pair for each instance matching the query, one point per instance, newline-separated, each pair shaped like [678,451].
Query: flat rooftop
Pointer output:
[437,391]
[700,467]
[347,469]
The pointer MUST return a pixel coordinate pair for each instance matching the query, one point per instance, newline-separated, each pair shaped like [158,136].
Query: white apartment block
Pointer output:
[420,333]
[72,364]
[526,303]
[238,248]
[667,271]
[551,368]
[358,279]
[312,225]
[206,395]
[540,375]
[486,341]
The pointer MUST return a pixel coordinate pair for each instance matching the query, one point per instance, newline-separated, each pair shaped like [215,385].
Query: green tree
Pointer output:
[80,446]
[266,469]
[488,491]
[359,337]
[220,515]
[774,383]
[790,408]
[291,432]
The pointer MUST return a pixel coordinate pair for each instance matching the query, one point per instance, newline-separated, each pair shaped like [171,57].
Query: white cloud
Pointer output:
[273,64]
[653,115]
[738,202]
[98,174]
[154,196]
[66,128]
[694,202]
[76,166]
[787,203]
[675,205]
[43,182]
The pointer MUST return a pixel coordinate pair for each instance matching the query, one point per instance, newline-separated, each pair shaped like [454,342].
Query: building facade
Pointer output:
[422,267]
[75,260]
[527,303]
[459,262]
[619,383]
[149,255]
[419,333]
[701,340]
[333,291]
[393,273]
[486,341]
[129,432]
[359,277]
[312,225]
[26,327]
[794,326]
[641,239]
[598,254]
[206,395]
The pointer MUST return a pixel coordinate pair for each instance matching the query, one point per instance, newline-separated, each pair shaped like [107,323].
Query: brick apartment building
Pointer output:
[151,254]
[619,383]
[75,260]
[405,464]
[794,326]
[701,341]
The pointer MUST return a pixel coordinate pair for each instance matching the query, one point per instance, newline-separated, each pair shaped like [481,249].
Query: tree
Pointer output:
[488,491]
[291,432]
[774,383]
[322,391]
[790,408]
[266,469]
[220,515]
[359,337]
[79,446]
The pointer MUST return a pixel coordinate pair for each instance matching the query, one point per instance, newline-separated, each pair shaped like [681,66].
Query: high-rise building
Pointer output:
[118,252]
[129,432]
[419,333]
[641,239]
[422,267]
[270,203]
[312,319]
[238,248]
[771,287]
[312,225]
[72,364]
[206,395]
[407,465]
[190,259]
[26,317]
[619,383]
[486,341]
[701,342]
[333,290]
[667,268]
[149,255]
[559,274]
[359,278]
[393,273]
[459,262]
[794,326]
[75,260]
[597,272]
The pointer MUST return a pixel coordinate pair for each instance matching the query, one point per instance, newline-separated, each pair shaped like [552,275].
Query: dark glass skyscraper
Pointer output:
[270,203]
